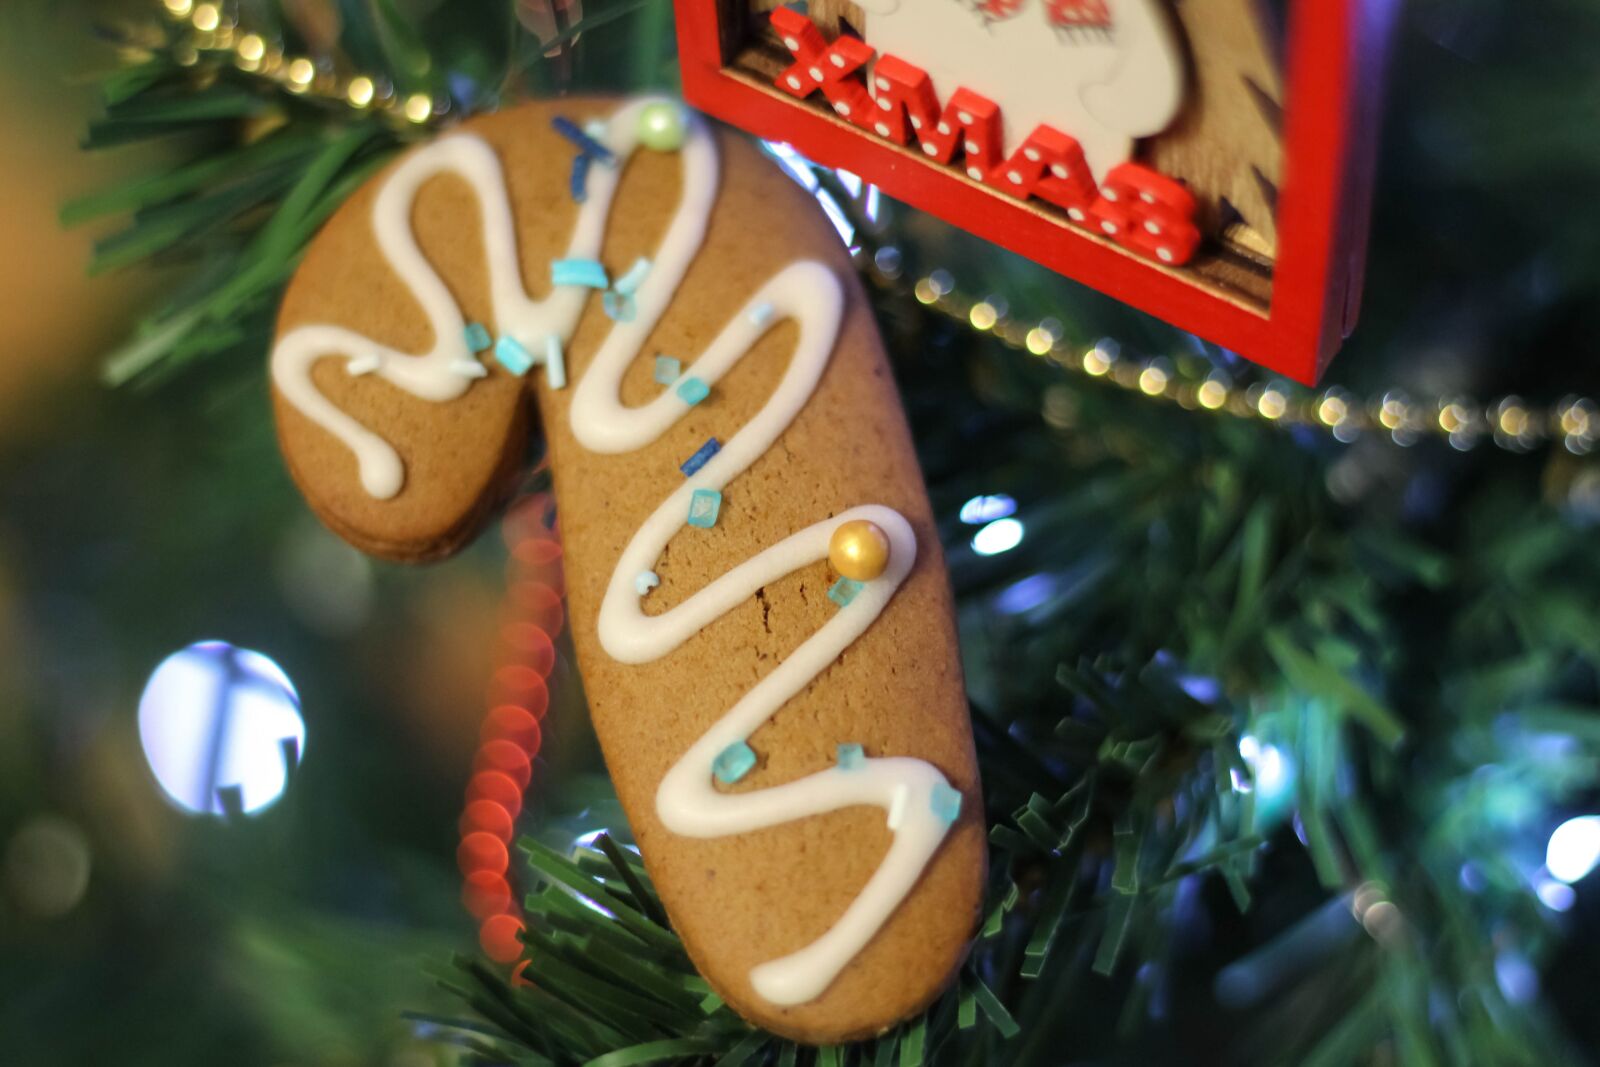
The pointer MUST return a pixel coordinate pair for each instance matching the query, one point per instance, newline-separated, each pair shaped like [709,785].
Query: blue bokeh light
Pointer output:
[1026,594]
[982,509]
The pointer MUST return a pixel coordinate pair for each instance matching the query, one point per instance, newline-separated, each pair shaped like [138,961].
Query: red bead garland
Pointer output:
[519,696]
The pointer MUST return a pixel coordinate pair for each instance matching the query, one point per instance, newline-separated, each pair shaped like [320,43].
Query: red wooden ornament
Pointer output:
[1049,165]
[821,66]
[1149,212]
[1333,57]
[968,127]
[904,100]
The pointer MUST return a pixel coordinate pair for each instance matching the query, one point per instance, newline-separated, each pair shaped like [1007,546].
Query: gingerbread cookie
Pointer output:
[757,596]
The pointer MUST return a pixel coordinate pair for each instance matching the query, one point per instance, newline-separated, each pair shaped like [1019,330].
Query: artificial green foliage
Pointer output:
[615,987]
[261,167]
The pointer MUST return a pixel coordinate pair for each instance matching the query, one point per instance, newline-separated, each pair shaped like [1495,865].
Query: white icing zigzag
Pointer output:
[687,801]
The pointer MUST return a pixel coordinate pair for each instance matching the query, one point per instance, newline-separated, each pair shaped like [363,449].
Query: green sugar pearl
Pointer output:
[661,127]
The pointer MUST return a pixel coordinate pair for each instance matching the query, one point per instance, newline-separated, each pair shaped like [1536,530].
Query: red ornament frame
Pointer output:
[1335,51]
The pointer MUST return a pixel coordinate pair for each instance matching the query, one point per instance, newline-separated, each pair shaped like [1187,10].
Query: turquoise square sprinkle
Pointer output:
[734,762]
[851,757]
[667,369]
[946,803]
[477,337]
[692,390]
[844,591]
[703,508]
[583,272]
[512,356]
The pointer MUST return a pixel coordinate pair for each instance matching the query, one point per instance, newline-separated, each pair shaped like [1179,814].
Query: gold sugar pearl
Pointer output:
[859,550]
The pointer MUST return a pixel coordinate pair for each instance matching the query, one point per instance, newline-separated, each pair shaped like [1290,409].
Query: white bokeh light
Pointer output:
[1002,535]
[1574,848]
[216,718]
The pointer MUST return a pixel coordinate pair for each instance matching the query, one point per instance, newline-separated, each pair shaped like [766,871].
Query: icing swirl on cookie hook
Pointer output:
[687,800]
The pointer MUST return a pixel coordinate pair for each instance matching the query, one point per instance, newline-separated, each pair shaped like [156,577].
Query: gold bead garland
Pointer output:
[1507,422]
[213,32]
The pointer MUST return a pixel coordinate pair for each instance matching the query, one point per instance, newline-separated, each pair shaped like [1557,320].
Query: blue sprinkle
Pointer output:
[555,363]
[733,762]
[586,144]
[667,369]
[703,507]
[630,282]
[645,581]
[761,315]
[693,390]
[585,272]
[578,184]
[619,307]
[946,803]
[476,336]
[701,457]
[512,356]
[851,758]
[844,591]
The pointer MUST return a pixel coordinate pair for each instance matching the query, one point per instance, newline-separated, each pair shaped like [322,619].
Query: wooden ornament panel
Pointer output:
[1274,139]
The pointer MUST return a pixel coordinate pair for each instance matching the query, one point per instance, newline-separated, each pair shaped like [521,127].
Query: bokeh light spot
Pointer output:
[1574,848]
[499,938]
[1002,535]
[46,867]
[982,509]
[221,727]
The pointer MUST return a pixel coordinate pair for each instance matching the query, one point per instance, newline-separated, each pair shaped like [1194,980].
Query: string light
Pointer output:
[301,71]
[1272,404]
[1153,380]
[250,49]
[1097,361]
[419,107]
[212,35]
[1508,422]
[206,17]
[359,92]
